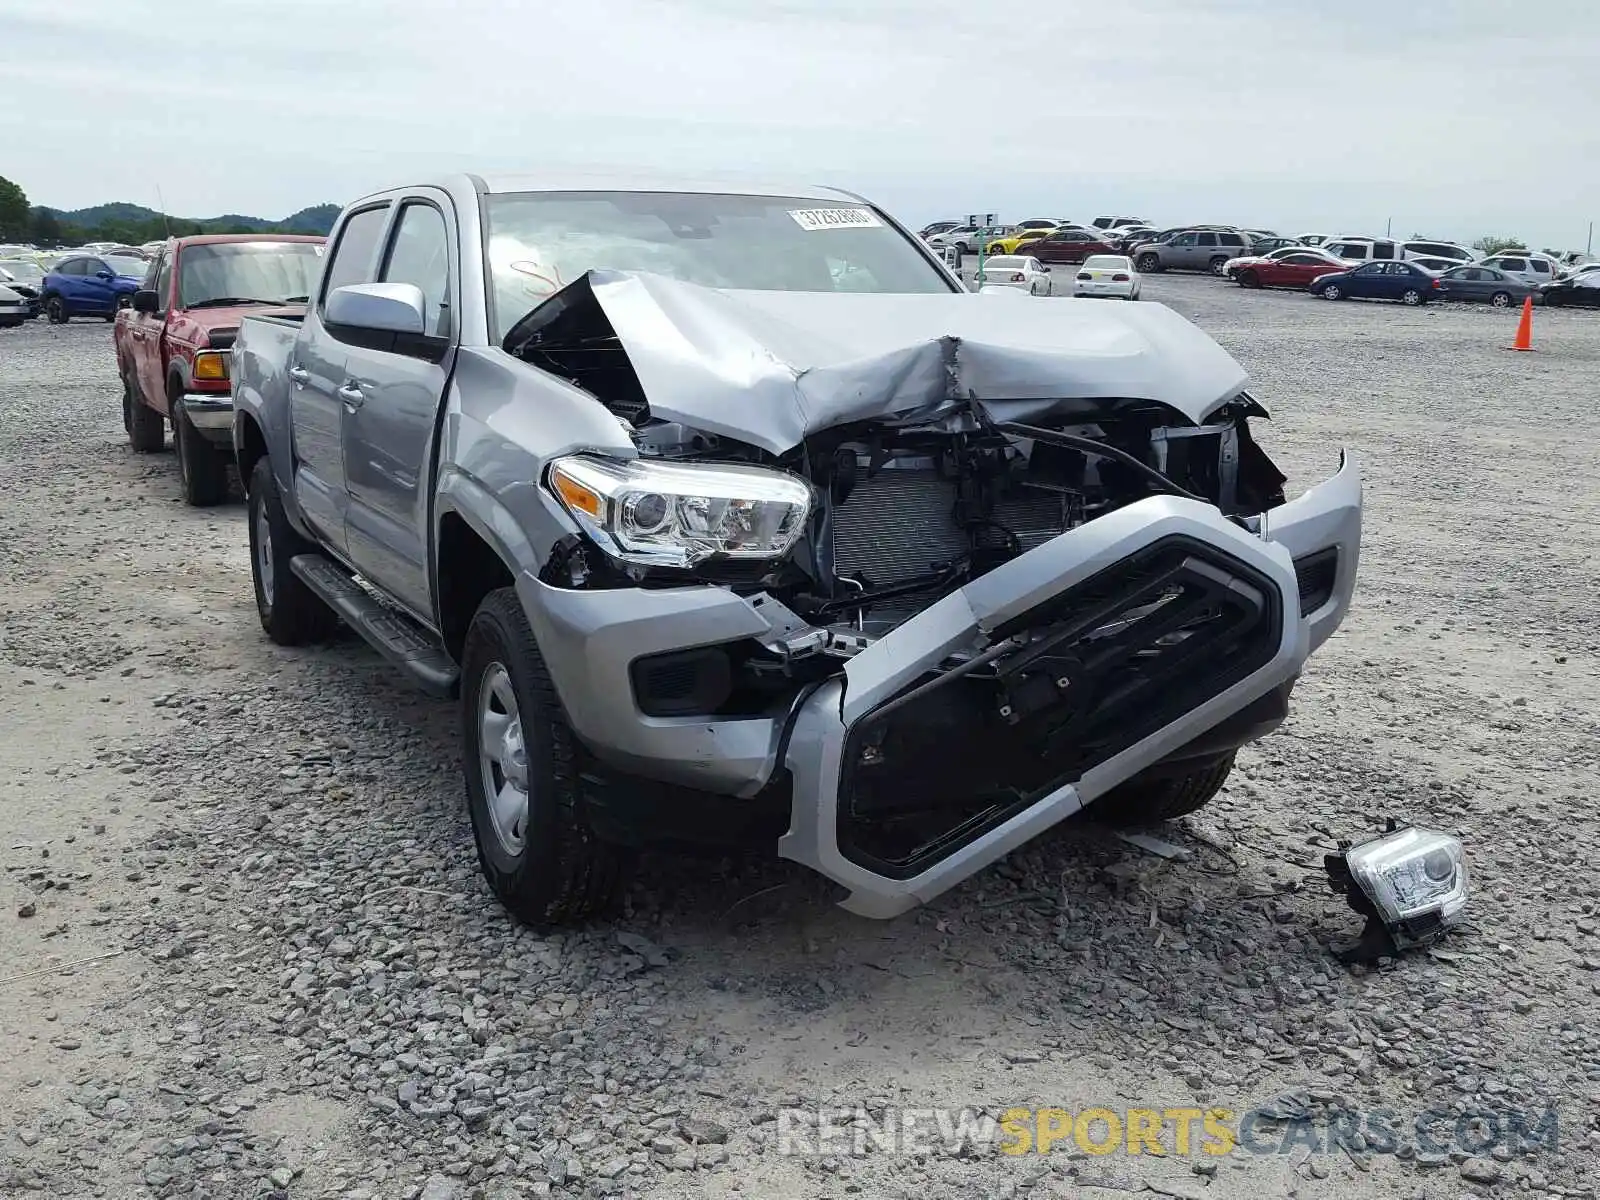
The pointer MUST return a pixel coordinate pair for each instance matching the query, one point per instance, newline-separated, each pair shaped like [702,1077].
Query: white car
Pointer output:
[1107,275]
[1015,271]
[14,308]
[1533,268]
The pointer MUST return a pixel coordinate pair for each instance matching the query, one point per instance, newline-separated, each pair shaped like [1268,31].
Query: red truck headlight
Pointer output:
[211,365]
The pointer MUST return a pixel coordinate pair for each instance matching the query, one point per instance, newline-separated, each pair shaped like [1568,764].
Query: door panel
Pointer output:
[316,370]
[389,431]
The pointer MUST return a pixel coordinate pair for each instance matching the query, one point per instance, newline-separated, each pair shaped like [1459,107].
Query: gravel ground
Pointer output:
[255,957]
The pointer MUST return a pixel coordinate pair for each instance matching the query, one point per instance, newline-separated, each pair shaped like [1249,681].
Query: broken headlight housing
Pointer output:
[680,514]
[1410,884]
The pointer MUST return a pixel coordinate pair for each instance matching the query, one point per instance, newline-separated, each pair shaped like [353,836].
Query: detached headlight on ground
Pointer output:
[680,514]
[1410,884]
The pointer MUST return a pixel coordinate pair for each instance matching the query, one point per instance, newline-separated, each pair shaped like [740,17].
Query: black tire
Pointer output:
[1411,297]
[147,429]
[55,311]
[1501,299]
[127,408]
[1148,800]
[291,613]
[1217,264]
[1332,292]
[1249,279]
[202,466]
[1553,300]
[1148,263]
[563,872]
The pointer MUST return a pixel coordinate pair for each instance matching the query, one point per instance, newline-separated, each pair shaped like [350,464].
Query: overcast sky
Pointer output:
[1456,118]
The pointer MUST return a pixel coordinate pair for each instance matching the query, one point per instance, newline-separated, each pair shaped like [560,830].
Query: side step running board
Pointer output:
[391,633]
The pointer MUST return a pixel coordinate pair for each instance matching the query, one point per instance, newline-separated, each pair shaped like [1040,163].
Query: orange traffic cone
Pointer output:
[1524,339]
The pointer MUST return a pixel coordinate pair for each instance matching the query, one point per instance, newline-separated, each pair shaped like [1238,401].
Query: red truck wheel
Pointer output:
[147,429]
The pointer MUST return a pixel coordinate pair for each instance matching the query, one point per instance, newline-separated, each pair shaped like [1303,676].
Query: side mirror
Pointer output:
[378,307]
[102,273]
[145,300]
[1044,268]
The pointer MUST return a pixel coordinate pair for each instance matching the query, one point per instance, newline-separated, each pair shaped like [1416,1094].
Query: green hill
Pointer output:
[134,223]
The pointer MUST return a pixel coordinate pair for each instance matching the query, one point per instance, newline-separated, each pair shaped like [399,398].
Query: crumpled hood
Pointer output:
[769,368]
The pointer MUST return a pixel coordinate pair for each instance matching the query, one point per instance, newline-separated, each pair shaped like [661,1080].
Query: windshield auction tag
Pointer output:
[835,218]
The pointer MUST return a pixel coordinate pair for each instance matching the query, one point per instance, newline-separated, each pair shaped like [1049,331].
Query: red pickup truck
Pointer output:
[173,343]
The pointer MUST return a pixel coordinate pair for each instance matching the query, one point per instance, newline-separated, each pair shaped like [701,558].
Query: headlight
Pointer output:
[1412,873]
[211,365]
[1410,884]
[680,514]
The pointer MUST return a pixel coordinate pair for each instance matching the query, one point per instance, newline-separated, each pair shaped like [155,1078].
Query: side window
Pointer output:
[1186,239]
[355,257]
[1512,264]
[1369,269]
[1208,239]
[93,266]
[73,266]
[420,254]
[1539,265]
[1231,239]
[160,280]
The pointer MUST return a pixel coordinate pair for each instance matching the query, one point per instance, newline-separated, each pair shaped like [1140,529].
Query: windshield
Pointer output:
[20,271]
[538,242]
[271,272]
[128,266]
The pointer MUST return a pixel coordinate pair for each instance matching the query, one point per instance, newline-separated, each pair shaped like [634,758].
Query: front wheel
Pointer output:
[1333,292]
[1249,279]
[1411,297]
[1147,800]
[55,310]
[291,613]
[538,852]
[201,465]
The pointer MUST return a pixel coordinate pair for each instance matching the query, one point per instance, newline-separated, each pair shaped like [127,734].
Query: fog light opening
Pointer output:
[1410,884]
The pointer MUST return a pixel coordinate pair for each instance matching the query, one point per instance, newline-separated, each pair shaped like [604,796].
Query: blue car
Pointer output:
[1384,280]
[91,285]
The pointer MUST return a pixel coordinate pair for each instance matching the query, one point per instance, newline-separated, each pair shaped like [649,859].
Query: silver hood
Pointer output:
[769,368]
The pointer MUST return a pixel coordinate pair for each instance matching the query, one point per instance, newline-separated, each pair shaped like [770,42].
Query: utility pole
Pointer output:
[1588,247]
[1388,224]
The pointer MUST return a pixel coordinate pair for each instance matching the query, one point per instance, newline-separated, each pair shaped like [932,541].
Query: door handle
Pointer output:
[352,394]
[299,376]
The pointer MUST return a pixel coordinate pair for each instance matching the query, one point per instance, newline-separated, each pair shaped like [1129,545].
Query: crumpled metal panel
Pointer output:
[769,368]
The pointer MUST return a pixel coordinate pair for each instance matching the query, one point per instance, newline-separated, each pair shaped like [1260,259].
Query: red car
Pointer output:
[1289,271]
[172,342]
[1066,246]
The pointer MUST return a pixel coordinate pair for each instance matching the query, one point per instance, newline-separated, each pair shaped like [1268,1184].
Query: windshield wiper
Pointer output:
[221,301]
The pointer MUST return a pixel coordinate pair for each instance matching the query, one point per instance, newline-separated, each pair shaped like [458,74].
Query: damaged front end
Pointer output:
[943,589]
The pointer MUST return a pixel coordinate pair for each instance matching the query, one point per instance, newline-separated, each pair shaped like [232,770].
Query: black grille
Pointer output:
[683,682]
[1316,573]
[1103,665]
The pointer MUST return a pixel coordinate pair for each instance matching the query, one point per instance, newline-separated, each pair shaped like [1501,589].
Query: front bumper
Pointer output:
[17,313]
[589,640]
[211,413]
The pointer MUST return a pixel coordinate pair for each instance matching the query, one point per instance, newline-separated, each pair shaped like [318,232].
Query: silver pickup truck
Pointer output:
[731,513]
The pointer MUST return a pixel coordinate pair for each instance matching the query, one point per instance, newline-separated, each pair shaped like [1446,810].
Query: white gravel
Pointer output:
[299,987]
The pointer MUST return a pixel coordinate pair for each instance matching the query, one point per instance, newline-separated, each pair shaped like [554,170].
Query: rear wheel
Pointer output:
[1148,263]
[201,464]
[55,310]
[523,764]
[291,613]
[1217,265]
[147,429]
[1149,799]
[1411,297]
[1501,299]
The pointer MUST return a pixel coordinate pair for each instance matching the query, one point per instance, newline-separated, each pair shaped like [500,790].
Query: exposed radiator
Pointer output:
[899,524]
